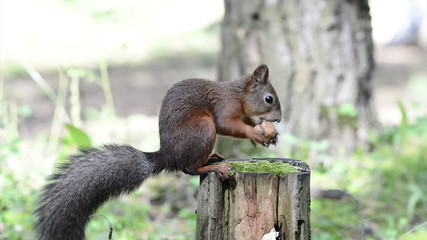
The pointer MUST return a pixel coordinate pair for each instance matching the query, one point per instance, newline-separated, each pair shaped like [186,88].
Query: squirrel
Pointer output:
[192,113]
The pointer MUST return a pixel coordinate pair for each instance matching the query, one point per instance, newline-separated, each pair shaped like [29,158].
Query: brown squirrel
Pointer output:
[192,113]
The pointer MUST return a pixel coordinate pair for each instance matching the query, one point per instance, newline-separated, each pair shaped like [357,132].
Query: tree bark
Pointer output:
[320,55]
[254,204]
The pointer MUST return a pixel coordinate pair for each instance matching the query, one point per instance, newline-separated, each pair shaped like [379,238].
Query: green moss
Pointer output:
[277,168]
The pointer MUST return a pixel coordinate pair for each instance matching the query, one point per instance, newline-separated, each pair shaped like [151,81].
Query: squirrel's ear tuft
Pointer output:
[261,73]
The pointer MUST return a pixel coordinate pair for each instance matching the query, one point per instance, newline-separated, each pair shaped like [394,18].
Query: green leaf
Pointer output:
[81,73]
[404,123]
[80,138]
[24,111]
[415,236]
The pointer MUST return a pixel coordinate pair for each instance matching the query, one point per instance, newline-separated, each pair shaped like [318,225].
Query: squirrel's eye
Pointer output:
[269,99]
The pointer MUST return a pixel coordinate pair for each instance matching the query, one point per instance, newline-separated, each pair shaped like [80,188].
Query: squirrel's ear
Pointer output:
[261,73]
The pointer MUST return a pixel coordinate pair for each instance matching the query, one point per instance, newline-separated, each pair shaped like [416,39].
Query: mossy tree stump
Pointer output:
[252,204]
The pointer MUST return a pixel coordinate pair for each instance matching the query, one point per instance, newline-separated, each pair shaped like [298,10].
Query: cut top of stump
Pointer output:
[277,166]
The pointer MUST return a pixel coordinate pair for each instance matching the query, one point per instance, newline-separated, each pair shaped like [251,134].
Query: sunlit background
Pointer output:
[105,65]
[52,33]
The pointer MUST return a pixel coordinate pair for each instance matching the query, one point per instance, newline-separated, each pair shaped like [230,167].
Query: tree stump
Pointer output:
[252,204]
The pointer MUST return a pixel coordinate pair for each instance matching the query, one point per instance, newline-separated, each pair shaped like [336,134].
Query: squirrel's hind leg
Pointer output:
[223,170]
[215,158]
[200,149]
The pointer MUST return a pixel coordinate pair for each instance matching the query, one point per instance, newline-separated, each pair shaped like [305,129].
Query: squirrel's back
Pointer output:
[187,98]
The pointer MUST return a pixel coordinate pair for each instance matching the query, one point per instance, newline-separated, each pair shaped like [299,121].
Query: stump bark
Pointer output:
[252,204]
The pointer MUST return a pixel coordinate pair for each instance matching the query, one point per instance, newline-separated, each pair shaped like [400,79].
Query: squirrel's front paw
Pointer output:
[268,130]
[257,136]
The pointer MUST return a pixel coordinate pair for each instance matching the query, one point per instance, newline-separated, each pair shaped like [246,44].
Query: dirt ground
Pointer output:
[140,89]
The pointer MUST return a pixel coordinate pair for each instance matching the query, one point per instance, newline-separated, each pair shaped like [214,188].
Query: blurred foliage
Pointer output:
[15,206]
[388,181]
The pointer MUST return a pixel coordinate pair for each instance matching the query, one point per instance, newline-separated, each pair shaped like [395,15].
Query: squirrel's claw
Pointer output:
[223,171]
[274,140]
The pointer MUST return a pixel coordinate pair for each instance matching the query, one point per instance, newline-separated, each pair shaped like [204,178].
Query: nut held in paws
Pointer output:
[269,129]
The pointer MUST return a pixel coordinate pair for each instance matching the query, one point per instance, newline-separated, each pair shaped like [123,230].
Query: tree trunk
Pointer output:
[320,57]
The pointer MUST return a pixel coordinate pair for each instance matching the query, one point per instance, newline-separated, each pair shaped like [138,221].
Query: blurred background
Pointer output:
[80,73]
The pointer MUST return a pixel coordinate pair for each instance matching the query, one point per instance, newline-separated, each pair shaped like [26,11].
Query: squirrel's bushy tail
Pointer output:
[83,184]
